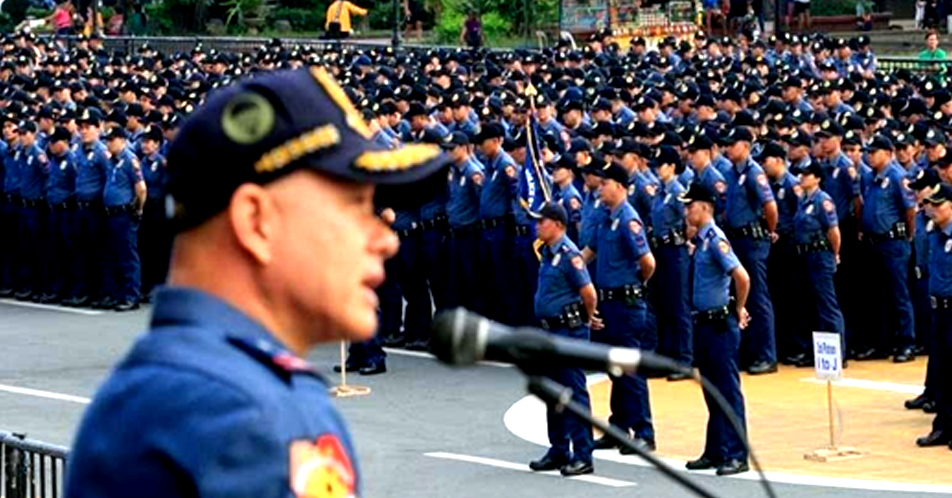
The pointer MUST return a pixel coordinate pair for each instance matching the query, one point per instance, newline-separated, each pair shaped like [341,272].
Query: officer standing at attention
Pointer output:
[750,217]
[124,196]
[817,245]
[668,244]
[496,203]
[58,252]
[278,249]
[887,227]
[466,178]
[153,237]
[10,207]
[625,264]
[34,167]
[940,288]
[565,303]
[717,331]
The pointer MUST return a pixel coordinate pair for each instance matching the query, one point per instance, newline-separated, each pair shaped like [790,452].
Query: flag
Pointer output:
[535,185]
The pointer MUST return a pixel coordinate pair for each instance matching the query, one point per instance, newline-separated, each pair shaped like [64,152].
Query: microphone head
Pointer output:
[459,337]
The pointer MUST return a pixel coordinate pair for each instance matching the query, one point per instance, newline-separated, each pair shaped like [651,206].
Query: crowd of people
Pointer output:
[819,162]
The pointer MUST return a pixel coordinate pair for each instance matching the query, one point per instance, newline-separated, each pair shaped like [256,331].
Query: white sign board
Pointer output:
[828,356]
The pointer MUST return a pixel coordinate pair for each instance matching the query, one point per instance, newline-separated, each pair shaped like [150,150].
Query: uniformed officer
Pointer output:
[124,195]
[940,288]
[668,244]
[278,255]
[154,245]
[11,206]
[924,184]
[34,167]
[750,217]
[887,226]
[58,252]
[625,264]
[817,244]
[565,193]
[717,326]
[462,211]
[700,153]
[565,304]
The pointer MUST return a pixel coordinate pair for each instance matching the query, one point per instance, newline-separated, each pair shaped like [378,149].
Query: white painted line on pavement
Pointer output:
[521,467]
[870,384]
[44,394]
[429,356]
[50,307]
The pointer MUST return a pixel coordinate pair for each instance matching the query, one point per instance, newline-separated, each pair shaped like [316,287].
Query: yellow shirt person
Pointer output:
[340,11]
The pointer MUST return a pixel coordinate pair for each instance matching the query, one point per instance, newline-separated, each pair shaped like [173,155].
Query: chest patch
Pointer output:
[557,259]
[781,194]
[809,209]
[836,173]
[742,179]
[885,183]
[615,225]
[948,245]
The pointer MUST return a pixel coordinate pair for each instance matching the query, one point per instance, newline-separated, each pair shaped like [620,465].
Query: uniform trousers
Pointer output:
[819,270]
[122,271]
[716,355]
[941,356]
[90,252]
[461,270]
[570,437]
[671,303]
[59,253]
[759,340]
[30,274]
[782,282]
[891,318]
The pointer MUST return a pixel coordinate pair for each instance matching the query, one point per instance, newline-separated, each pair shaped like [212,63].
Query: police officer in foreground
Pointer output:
[940,288]
[565,302]
[278,249]
[717,326]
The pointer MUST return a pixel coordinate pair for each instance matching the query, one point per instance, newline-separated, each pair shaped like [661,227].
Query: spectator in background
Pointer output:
[801,10]
[62,18]
[414,19]
[931,15]
[337,22]
[116,23]
[472,33]
[712,9]
[932,51]
[864,15]
[920,14]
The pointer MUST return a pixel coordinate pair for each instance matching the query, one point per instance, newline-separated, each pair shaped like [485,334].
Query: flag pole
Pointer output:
[531,92]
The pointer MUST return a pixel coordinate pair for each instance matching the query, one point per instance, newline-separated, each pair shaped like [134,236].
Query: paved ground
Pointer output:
[425,431]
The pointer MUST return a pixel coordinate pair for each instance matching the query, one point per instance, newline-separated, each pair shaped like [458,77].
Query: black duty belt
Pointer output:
[573,316]
[490,223]
[627,293]
[32,203]
[126,209]
[89,204]
[521,230]
[753,231]
[12,198]
[432,223]
[898,232]
[672,238]
[61,206]
[820,245]
[940,303]
[714,315]
[456,232]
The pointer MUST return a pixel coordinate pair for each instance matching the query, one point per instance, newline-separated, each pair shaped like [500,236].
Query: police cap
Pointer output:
[943,194]
[60,134]
[700,142]
[489,131]
[926,178]
[455,139]
[614,171]
[698,192]
[739,134]
[879,142]
[771,149]
[552,211]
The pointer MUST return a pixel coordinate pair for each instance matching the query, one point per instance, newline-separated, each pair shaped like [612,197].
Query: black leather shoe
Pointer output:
[6,292]
[605,442]
[702,463]
[934,438]
[578,468]
[870,354]
[916,403]
[393,341]
[106,304]
[793,360]
[645,444]
[805,361]
[23,295]
[127,306]
[675,377]
[930,407]
[351,367]
[374,368]
[418,346]
[732,467]
[920,351]
[547,462]
[762,368]
[48,299]
[904,356]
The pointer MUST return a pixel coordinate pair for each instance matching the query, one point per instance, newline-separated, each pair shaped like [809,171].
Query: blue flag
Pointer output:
[535,185]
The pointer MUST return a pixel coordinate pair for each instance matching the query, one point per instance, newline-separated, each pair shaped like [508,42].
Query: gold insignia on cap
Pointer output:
[247,118]
[826,124]
[406,157]
[337,95]
[317,139]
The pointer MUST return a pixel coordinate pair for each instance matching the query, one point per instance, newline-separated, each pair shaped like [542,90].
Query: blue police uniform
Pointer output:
[625,116]
[562,275]
[886,199]
[155,242]
[496,220]
[466,126]
[919,280]
[10,219]
[571,200]
[61,229]
[748,190]
[122,275]
[525,262]
[712,178]
[940,288]
[670,285]
[462,213]
[641,192]
[227,383]
[34,167]
[593,215]
[551,126]
[92,163]
[619,244]
[433,261]
[717,340]
[722,164]
[815,216]
[781,267]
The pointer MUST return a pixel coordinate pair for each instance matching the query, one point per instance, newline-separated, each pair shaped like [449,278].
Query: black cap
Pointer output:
[879,142]
[579,145]
[552,211]
[771,149]
[116,132]
[798,139]
[934,137]
[830,128]
[813,168]
[698,192]
[667,155]
[943,194]
[489,131]
[926,178]
[261,129]
[739,134]
[59,134]
[700,142]
[614,171]
[453,140]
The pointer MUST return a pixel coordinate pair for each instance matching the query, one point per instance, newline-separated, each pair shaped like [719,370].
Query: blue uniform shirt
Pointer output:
[250,418]
[667,212]
[593,215]
[61,181]
[565,196]
[92,162]
[155,175]
[940,261]
[496,199]
[785,192]
[641,191]
[816,213]
[12,174]
[34,167]
[121,179]
[711,178]
[722,164]
[562,273]
[747,192]
[714,261]
[462,206]
[625,116]
[885,200]
[924,227]
[619,244]
[841,181]
[4,152]
[551,126]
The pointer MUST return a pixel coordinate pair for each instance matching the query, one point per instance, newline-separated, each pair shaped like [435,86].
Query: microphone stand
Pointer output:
[560,398]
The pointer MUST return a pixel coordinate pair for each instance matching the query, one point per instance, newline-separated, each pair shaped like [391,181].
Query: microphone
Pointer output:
[462,338]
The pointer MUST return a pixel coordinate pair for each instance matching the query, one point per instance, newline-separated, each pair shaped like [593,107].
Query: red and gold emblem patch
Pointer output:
[321,469]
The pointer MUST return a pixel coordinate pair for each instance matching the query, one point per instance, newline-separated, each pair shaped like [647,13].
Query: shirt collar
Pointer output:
[947,230]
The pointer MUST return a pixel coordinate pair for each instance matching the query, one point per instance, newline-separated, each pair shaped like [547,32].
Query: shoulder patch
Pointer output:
[762,180]
[723,246]
[852,172]
[635,227]
[42,159]
[828,206]
[135,163]
[720,187]
[578,263]
[321,468]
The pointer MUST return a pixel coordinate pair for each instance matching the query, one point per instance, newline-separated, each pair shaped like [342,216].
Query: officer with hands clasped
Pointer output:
[565,304]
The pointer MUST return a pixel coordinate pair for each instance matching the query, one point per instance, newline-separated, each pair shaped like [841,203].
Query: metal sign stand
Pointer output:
[342,390]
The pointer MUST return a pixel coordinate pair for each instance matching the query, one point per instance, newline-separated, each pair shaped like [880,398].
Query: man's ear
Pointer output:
[253,217]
